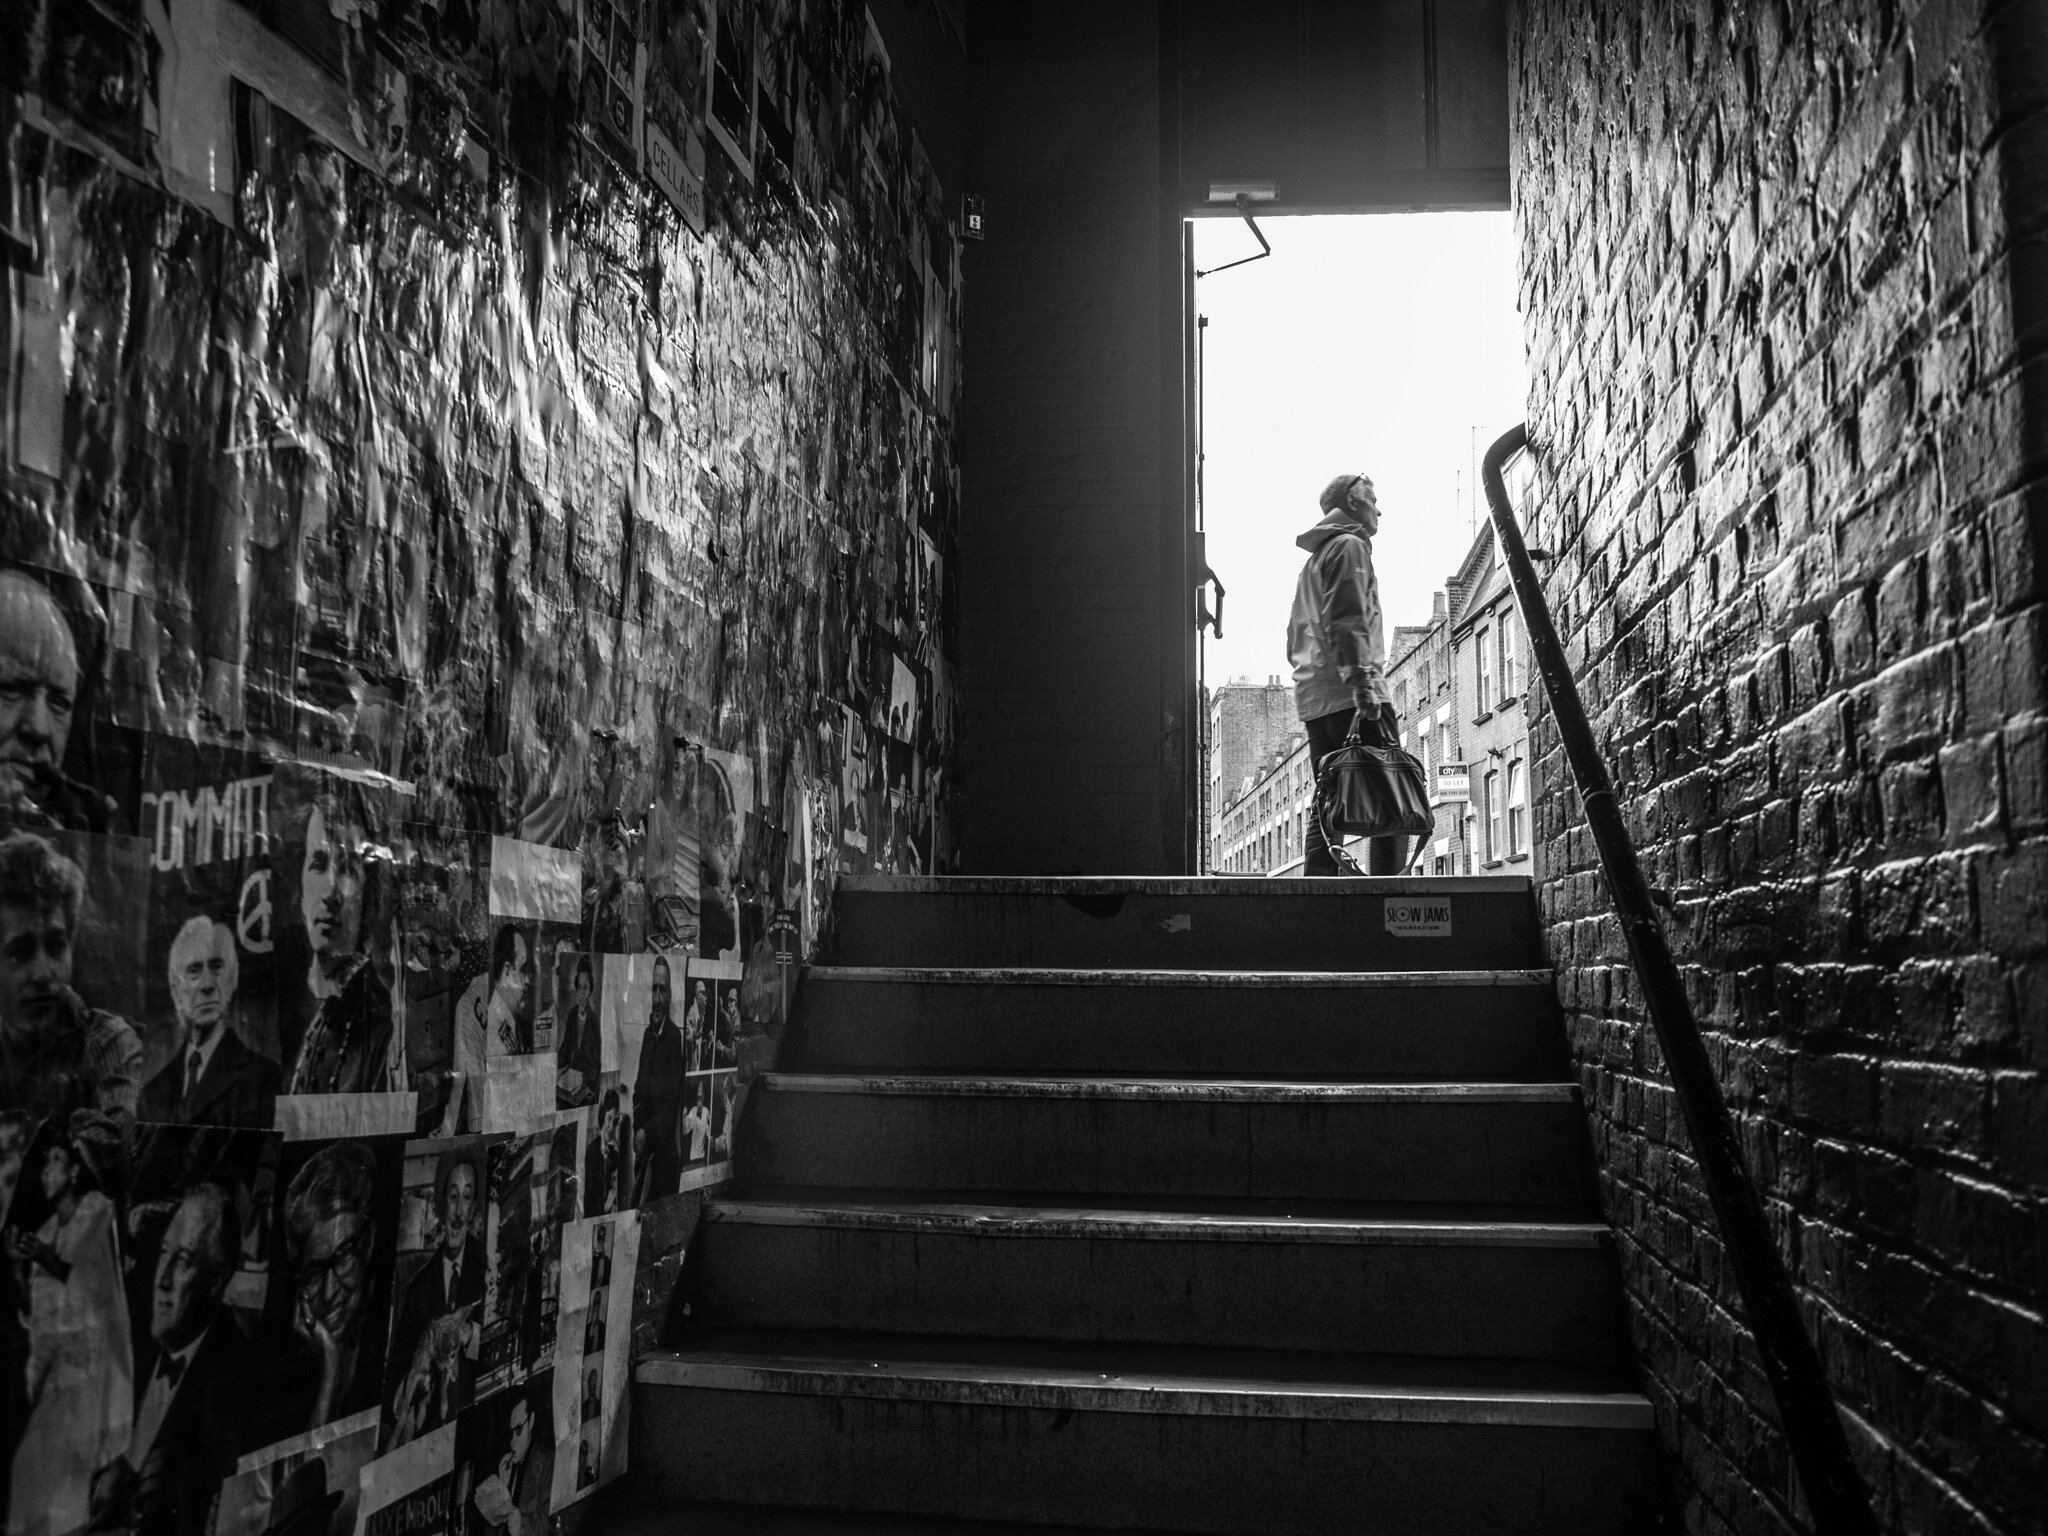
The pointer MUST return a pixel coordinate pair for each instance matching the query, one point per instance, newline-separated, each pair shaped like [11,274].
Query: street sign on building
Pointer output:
[1453,781]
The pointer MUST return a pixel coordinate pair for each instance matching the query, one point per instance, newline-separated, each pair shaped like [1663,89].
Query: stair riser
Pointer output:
[1269,929]
[1273,1477]
[1497,1153]
[1432,1299]
[1502,1034]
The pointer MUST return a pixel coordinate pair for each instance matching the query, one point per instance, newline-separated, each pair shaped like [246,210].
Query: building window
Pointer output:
[1483,656]
[1508,685]
[1443,742]
[1489,810]
[1518,812]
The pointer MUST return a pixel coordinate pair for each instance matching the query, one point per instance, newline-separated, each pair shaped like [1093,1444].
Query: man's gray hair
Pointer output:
[210,931]
[1338,492]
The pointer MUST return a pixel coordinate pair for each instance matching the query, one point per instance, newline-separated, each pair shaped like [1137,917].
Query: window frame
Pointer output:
[1490,816]
[1518,808]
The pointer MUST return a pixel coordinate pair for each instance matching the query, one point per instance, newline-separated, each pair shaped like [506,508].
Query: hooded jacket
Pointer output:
[1335,637]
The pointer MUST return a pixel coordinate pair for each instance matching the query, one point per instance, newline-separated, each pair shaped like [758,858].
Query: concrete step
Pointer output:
[1113,1438]
[1509,1144]
[1485,1025]
[1201,924]
[1541,1290]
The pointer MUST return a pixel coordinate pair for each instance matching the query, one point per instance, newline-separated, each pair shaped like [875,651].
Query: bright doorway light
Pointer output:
[1388,344]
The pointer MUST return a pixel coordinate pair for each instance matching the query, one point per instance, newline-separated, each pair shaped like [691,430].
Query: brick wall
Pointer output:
[1060,468]
[1782,267]
[1250,720]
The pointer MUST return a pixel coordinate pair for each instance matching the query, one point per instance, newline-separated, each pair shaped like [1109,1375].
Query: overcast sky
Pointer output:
[1373,344]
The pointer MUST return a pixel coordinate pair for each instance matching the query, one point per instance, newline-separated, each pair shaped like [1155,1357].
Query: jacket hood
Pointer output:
[1333,524]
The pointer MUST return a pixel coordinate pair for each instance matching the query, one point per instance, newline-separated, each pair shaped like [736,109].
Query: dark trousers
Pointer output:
[1326,734]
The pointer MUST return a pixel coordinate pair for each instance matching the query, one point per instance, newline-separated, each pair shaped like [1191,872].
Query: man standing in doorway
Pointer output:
[1337,644]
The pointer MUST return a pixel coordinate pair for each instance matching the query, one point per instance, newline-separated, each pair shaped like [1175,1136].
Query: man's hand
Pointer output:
[1374,722]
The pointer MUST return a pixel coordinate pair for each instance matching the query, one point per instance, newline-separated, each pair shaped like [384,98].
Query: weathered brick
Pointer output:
[2026,775]
[1844,761]
[1912,702]
[1911,795]
[2004,662]
[1901,610]
[1922,1105]
[2019,1128]
[1972,789]
[2012,897]
[1849,627]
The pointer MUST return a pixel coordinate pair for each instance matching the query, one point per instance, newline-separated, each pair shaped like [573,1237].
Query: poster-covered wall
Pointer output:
[477,506]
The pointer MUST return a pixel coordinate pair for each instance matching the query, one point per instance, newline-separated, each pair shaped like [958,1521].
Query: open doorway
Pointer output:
[1387,345]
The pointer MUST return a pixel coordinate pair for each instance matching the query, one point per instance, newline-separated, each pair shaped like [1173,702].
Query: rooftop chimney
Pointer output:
[1437,608]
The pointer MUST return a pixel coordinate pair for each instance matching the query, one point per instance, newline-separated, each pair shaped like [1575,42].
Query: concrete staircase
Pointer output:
[1178,1205]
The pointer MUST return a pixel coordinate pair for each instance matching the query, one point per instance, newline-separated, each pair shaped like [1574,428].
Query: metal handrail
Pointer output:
[1806,1406]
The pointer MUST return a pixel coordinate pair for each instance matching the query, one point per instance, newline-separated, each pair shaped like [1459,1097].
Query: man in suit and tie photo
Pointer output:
[658,1096]
[212,1078]
[434,1334]
[512,1486]
[191,1399]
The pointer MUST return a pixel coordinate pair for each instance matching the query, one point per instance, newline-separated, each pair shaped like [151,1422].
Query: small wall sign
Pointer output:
[1419,917]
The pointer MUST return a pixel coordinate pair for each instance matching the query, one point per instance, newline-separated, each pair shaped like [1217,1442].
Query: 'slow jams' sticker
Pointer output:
[1419,917]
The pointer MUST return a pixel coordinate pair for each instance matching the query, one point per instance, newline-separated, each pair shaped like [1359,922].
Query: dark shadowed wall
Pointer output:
[1782,279]
[1063,712]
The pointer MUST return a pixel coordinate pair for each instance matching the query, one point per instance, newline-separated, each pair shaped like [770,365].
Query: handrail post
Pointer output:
[1806,1406]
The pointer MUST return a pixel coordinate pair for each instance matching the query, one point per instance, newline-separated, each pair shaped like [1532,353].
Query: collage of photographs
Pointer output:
[239,1284]
[426,744]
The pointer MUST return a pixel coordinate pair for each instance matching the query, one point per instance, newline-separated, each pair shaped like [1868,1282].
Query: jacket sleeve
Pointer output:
[1351,619]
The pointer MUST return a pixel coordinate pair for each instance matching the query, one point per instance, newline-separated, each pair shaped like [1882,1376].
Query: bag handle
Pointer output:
[1353,738]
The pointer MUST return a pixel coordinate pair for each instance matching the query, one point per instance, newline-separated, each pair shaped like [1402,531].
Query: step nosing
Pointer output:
[1139,1225]
[1289,890]
[1083,1391]
[1198,1090]
[1147,976]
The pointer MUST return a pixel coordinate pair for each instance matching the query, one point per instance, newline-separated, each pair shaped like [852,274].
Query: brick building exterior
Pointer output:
[1421,677]
[1491,673]
[1459,684]
[1260,831]
[1248,721]
[1782,274]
